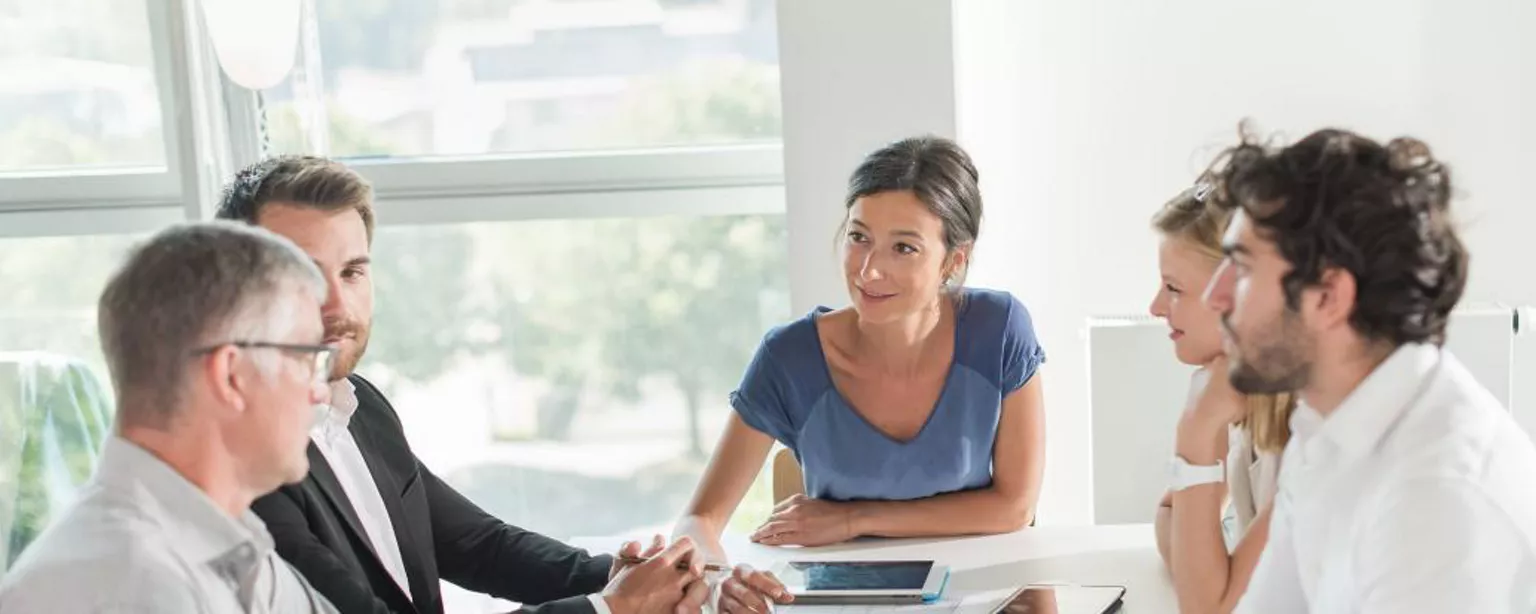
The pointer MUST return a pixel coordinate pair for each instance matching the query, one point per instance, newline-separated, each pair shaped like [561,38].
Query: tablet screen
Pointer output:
[870,576]
[1064,600]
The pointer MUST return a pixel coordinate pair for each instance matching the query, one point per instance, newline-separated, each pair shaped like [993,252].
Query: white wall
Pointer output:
[1480,93]
[1085,116]
[1009,125]
[856,74]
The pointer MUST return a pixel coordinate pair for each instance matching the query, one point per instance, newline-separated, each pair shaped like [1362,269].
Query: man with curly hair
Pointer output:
[1406,486]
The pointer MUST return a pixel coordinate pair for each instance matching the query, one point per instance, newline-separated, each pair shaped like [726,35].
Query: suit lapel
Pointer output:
[325,478]
[384,478]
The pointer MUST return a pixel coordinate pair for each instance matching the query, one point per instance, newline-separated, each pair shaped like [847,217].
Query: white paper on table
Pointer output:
[985,602]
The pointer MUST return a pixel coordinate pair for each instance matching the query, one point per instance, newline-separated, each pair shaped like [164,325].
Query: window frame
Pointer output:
[109,187]
[721,180]
[211,127]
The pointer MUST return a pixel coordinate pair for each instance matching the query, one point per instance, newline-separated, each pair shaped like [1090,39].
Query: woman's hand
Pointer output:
[803,521]
[1219,402]
[1202,434]
[751,592]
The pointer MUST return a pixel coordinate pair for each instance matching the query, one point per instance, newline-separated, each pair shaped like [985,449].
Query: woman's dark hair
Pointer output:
[939,173]
[1336,199]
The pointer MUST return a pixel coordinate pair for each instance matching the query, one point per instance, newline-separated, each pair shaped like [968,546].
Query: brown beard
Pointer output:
[346,361]
[1279,361]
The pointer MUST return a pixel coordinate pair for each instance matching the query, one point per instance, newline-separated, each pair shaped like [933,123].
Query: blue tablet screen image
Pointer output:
[872,576]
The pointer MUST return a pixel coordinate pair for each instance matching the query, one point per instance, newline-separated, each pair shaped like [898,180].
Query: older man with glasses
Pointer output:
[212,333]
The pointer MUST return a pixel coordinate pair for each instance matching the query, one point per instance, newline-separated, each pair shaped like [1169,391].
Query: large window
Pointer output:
[571,376]
[51,286]
[581,237]
[546,367]
[458,77]
[77,86]
[54,388]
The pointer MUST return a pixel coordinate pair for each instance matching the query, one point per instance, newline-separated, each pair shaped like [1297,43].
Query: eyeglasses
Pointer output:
[323,356]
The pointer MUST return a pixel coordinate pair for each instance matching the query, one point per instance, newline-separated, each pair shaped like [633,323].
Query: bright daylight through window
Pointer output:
[77,87]
[455,77]
[546,367]
[569,374]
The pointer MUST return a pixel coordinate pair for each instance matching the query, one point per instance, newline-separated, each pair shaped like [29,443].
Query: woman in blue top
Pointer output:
[915,412]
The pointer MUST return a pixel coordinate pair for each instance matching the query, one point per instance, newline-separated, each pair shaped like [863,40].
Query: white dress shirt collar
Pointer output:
[339,447]
[1367,413]
[338,415]
[1403,499]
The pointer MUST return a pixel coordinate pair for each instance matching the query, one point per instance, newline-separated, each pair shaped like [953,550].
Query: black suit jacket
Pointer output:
[441,534]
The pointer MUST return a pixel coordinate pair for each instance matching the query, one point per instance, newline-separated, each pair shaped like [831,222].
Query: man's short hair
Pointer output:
[1381,212]
[190,286]
[306,181]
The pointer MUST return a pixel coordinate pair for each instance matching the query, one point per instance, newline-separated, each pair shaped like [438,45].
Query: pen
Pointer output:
[635,560]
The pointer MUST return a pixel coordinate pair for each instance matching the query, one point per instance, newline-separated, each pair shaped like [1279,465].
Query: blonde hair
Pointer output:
[1196,218]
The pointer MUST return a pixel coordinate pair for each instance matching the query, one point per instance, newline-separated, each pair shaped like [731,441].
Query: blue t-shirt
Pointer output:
[787,392]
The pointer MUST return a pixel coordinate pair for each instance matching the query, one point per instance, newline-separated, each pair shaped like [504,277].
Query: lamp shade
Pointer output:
[255,40]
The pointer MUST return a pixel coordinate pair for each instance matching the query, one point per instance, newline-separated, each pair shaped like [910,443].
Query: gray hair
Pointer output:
[190,286]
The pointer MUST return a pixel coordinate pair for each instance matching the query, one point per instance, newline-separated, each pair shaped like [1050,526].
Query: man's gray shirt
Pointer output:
[141,538]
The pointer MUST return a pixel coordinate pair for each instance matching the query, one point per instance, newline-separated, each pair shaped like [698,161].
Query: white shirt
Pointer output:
[1418,494]
[143,539]
[339,448]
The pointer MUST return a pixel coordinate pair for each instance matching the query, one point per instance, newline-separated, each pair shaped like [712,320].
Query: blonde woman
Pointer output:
[1214,521]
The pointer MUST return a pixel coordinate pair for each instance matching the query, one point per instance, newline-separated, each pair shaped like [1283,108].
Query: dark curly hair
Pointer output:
[1336,199]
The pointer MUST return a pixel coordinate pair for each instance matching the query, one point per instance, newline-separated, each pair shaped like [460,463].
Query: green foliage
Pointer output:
[595,307]
[682,298]
[420,317]
[686,298]
[60,421]
[705,289]
[64,416]
[592,307]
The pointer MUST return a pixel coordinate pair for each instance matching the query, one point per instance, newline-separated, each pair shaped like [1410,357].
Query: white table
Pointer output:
[1116,554]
